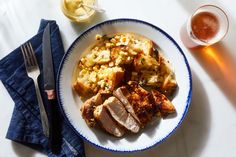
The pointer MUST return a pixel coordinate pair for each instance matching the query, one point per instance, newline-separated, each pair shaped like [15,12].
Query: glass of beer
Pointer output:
[207,25]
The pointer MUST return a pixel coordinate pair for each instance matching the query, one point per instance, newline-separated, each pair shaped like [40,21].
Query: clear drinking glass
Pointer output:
[206,26]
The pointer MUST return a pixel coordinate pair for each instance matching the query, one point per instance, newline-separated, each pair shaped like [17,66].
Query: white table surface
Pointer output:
[209,128]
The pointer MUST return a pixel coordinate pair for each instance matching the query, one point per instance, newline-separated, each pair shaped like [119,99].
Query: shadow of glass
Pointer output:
[221,67]
[97,18]
[188,140]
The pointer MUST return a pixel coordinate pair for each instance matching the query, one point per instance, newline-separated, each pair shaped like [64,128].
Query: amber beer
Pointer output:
[207,25]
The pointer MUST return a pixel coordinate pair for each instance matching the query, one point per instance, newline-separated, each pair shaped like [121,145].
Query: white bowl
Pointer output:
[154,133]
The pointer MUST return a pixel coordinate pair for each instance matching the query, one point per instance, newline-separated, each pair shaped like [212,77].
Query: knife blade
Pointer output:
[48,72]
[49,87]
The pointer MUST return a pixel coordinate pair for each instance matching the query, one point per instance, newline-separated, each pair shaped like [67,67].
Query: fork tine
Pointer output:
[23,50]
[29,54]
[33,54]
[26,54]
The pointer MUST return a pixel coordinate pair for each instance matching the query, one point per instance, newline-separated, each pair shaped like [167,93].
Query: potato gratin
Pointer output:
[116,73]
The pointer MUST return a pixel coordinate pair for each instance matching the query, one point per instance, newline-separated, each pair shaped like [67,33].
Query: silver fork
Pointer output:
[33,72]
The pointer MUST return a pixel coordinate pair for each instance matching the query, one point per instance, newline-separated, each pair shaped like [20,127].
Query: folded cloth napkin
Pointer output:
[25,126]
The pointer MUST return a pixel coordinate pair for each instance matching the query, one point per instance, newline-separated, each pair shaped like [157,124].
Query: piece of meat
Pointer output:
[106,121]
[163,103]
[122,93]
[119,113]
[88,107]
[141,100]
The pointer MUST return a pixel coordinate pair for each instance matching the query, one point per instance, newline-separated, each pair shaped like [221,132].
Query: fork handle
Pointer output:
[43,114]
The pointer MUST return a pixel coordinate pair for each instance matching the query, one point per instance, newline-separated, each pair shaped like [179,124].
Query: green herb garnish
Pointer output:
[142,60]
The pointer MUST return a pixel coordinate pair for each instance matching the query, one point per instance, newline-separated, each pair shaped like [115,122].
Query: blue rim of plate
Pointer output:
[110,22]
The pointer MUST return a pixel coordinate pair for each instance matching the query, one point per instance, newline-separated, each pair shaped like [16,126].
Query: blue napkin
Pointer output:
[25,126]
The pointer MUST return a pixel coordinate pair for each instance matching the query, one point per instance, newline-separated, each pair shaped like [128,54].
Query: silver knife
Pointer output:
[49,87]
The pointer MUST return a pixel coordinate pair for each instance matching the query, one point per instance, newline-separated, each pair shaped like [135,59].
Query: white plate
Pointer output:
[152,134]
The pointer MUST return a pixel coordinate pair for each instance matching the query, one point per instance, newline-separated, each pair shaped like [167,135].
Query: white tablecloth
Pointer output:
[209,128]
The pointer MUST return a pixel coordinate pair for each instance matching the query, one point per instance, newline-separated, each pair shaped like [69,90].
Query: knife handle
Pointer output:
[54,128]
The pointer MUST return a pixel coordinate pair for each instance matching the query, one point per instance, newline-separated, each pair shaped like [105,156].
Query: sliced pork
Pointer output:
[119,113]
[106,122]
[122,93]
